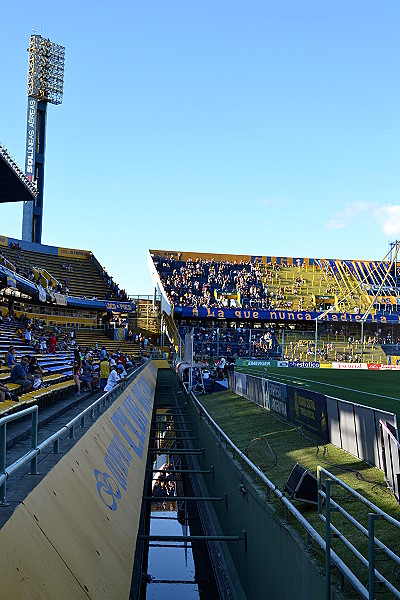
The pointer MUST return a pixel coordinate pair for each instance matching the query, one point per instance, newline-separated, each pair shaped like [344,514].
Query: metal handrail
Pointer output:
[31,456]
[369,533]
[336,560]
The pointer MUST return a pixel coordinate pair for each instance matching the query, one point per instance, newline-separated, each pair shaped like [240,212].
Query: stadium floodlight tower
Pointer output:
[45,84]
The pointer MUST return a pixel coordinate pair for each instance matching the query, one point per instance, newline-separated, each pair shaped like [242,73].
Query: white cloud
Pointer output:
[335,224]
[350,212]
[389,219]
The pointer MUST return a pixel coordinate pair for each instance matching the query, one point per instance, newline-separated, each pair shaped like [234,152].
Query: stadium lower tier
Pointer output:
[283,341]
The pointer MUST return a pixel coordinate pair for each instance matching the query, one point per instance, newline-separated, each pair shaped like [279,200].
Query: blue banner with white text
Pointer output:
[281,315]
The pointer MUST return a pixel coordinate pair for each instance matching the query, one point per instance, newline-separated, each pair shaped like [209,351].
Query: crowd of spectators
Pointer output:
[230,342]
[88,365]
[211,283]
[248,285]
[115,290]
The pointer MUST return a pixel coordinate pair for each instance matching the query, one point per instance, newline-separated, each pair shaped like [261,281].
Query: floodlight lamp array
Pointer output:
[17,170]
[45,70]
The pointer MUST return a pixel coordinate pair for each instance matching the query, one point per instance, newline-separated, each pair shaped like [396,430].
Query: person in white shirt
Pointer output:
[115,377]
[121,371]
[112,380]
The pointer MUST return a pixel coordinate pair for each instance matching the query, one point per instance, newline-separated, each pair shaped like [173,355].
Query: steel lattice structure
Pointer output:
[45,70]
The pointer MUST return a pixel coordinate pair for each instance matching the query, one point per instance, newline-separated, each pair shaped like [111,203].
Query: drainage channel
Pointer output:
[178,563]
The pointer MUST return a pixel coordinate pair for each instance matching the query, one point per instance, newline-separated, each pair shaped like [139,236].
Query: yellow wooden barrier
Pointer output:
[74,536]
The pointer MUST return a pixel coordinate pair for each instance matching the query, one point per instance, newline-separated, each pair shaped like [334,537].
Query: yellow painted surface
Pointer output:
[65,531]
[45,575]
[74,253]
[3,240]
[161,364]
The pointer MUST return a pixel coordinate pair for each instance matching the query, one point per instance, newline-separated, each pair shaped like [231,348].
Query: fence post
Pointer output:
[316,339]
[34,470]
[3,450]
[328,540]
[362,340]
[56,447]
[371,554]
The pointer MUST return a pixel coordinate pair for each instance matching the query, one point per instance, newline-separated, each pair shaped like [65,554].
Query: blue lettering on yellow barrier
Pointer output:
[131,423]
[108,489]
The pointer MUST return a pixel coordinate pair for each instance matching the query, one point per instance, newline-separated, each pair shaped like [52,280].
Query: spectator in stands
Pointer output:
[121,371]
[104,371]
[43,345]
[34,368]
[28,337]
[87,376]
[76,369]
[5,393]
[114,378]
[52,343]
[19,375]
[9,358]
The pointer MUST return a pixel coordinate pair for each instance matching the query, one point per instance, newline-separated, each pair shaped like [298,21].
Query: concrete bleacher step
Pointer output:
[84,280]
[87,338]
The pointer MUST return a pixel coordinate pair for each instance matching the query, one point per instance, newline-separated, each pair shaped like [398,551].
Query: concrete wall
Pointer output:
[276,563]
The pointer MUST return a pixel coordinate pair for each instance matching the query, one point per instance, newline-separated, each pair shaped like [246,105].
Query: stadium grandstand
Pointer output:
[301,309]
[73,343]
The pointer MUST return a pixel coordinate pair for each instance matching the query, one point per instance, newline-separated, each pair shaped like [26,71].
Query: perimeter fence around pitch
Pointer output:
[362,572]
[285,342]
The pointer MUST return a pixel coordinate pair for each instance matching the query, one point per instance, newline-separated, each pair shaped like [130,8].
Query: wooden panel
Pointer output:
[85,513]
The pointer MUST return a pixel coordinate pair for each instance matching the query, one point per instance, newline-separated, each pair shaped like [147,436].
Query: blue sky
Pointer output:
[224,126]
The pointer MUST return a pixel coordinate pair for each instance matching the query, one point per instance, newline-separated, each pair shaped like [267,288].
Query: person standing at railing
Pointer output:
[113,378]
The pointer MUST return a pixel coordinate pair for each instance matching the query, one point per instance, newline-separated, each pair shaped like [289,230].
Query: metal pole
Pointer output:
[362,340]
[3,450]
[328,540]
[283,344]
[249,343]
[371,554]
[316,338]
[217,342]
[34,470]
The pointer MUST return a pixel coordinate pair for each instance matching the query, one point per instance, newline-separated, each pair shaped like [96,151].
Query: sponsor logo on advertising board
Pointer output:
[308,409]
[338,365]
[30,139]
[276,398]
[301,364]
[258,363]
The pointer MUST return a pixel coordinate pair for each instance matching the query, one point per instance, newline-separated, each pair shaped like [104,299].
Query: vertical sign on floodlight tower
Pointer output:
[45,84]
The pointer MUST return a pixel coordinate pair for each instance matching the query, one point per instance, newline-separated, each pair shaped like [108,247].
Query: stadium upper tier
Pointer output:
[75,273]
[276,283]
